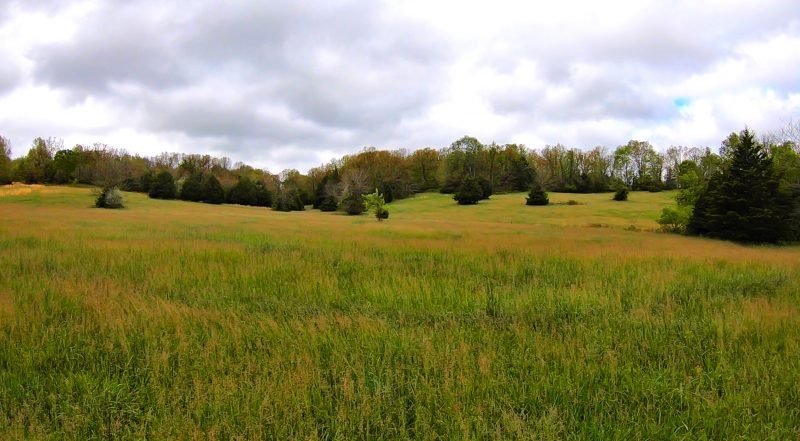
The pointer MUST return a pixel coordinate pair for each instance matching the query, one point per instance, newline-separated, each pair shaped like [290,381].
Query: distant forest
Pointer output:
[396,174]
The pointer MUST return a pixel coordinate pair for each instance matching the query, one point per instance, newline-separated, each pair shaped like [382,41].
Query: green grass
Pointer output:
[181,320]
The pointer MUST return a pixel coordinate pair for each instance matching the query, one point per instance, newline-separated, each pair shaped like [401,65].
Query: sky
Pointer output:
[292,84]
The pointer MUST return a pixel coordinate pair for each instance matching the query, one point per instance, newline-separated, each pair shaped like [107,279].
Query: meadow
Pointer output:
[181,320]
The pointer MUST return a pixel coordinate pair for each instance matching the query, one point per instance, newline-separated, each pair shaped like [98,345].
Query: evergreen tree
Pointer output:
[621,194]
[213,193]
[742,202]
[163,186]
[469,193]
[537,195]
[263,196]
[192,189]
[288,199]
[353,204]
[244,192]
[328,203]
[376,203]
[486,188]
[5,161]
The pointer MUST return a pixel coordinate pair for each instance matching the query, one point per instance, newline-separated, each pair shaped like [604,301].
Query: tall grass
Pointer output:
[179,320]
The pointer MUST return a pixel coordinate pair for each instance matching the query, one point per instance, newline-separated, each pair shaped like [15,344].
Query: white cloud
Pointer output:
[293,84]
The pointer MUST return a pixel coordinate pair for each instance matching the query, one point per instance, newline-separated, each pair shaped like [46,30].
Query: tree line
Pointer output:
[467,168]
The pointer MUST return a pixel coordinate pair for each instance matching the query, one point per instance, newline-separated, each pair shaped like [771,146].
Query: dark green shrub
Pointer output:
[353,204]
[537,195]
[328,203]
[469,193]
[244,192]
[213,193]
[621,194]
[163,186]
[288,199]
[192,189]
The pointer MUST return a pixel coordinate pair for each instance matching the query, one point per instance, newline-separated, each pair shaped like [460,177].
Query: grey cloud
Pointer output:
[339,66]
[286,79]
[605,91]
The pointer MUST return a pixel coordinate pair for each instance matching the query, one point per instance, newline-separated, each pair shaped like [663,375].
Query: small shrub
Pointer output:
[192,189]
[110,198]
[674,220]
[621,194]
[353,204]
[376,204]
[469,193]
[328,203]
[213,193]
[573,202]
[537,195]
[163,186]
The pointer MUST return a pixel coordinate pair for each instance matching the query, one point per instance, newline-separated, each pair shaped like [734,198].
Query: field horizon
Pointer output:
[172,319]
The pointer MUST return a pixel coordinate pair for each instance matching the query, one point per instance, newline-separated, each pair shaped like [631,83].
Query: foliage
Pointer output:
[328,203]
[243,193]
[621,194]
[5,161]
[743,202]
[374,202]
[537,195]
[674,219]
[213,193]
[288,199]
[470,192]
[163,186]
[192,188]
[353,204]
[110,197]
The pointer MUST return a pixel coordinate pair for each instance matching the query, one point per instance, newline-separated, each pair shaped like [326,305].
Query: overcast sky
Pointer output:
[287,83]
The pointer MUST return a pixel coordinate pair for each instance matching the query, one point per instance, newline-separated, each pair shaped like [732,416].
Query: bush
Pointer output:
[537,195]
[288,200]
[213,193]
[469,193]
[192,189]
[244,192]
[353,204]
[110,198]
[674,220]
[163,186]
[375,203]
[621,194]
[328,203]
[486,188]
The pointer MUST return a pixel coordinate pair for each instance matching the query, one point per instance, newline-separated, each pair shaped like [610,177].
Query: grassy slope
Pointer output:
[173,319]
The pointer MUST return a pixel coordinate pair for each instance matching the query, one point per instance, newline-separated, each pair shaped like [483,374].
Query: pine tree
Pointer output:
[537,195]
[213,193]
[328,203]
[470,192]
[244,192]
[353,204]
[621,194]
[263,195]
[742,202]
[163,186]
[192,189]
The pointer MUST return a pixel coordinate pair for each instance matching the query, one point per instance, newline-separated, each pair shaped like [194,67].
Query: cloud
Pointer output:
[294,83]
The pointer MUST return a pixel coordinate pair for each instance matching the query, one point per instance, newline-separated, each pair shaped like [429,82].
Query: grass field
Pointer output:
[180,320]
